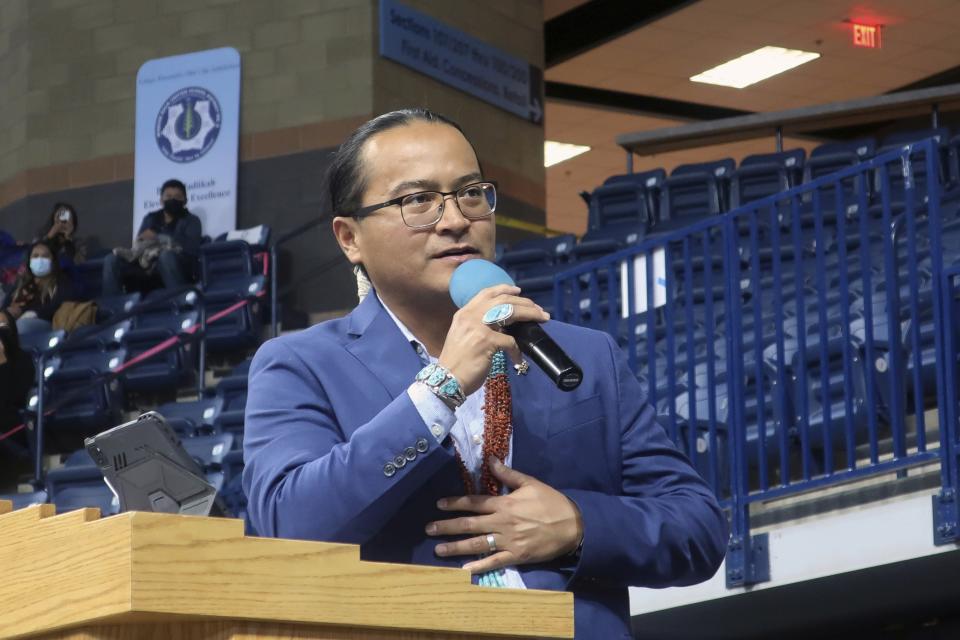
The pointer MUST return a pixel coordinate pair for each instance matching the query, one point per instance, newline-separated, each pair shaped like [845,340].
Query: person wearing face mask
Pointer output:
[169,237]
[17,373]
[40,290]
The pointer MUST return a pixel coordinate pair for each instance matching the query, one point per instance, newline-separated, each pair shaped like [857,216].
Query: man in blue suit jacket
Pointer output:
[343,444]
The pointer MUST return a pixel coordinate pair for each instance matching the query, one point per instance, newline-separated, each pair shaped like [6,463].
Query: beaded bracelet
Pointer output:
[442,383]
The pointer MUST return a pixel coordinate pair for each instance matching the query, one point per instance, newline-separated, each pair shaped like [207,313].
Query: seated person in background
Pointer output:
[169,238]
[40,290]
[17,373]
[60,230]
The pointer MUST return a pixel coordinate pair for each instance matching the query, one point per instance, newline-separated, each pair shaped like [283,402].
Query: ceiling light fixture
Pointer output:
[557,152]
[755,66]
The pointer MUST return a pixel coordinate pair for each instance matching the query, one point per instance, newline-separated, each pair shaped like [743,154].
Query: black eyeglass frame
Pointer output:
[366,211]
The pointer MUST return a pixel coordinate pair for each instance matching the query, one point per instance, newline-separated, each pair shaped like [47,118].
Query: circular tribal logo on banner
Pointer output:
[188,124]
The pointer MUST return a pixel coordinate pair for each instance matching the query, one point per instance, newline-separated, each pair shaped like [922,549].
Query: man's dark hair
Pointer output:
[176,184]
[345,180]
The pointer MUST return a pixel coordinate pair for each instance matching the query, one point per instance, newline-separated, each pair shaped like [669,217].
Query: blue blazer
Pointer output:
[327,409]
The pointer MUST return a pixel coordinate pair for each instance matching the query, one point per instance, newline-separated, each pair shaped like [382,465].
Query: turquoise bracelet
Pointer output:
[442,383]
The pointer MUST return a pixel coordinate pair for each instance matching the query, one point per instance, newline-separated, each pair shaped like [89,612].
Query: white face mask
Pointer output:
[40,266]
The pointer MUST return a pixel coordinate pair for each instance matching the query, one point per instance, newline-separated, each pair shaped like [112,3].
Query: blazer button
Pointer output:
[410,453]
[422,445]
[389,469]
[400,462]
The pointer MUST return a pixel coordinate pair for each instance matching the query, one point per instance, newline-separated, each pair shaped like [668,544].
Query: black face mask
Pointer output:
[174,207]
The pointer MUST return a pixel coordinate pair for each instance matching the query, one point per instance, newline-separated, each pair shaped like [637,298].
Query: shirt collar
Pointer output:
[418,346]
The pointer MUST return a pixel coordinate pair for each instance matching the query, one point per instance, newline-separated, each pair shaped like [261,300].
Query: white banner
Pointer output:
[640,283]
[188,127]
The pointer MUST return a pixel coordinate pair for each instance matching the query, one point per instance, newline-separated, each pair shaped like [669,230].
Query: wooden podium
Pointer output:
[156,576]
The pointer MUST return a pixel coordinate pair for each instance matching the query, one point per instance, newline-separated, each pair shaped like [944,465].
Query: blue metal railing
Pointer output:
[793,343]
[946,513]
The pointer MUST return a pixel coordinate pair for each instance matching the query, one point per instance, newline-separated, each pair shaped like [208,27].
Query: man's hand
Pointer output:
[533,523]
[470,344]
[148,234]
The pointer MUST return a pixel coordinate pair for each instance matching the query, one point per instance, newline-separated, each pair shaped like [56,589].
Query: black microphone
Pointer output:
[475,275]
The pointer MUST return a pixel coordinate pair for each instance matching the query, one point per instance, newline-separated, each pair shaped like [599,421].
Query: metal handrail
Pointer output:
[812,427]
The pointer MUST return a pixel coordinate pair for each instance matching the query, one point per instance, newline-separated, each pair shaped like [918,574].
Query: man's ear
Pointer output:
[346,230]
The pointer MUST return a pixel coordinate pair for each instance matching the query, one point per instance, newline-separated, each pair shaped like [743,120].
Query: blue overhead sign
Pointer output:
[455,58]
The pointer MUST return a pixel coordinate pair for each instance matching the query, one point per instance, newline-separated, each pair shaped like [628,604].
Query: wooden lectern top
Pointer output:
[74,570]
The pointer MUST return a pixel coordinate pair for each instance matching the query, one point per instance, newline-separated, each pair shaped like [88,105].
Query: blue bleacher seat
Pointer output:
[240,328]
[87,410]
[222,263]
[600,242]
[940,134]
[791,160]
[90,275]
[692,192]
[110,306]
[79,458]
[764,175]
[534,253]
[80,486]
[632,199]
[757,181]
[621,203]
[21,500]
[834,156]
[200,414]
[229,275]
[42,342]
[209,451]
[232,392]
[894,170]
[720,169]
[861,148]
[169,368]
[953,161]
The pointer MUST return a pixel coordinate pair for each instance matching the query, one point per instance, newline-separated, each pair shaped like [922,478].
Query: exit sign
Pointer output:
[866,35]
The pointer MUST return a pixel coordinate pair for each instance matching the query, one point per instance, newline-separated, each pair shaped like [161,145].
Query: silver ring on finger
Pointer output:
[498,315]
[491,543]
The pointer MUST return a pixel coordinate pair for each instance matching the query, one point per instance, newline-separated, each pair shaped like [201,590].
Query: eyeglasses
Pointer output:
[425,208]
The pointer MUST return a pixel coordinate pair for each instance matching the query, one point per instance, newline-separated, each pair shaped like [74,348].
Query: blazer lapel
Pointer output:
[381,347]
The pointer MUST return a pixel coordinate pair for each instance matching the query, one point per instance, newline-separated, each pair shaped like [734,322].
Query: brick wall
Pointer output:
[14,60]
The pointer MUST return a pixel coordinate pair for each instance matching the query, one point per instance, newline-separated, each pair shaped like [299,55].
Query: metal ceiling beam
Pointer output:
[802,121]
[598,21]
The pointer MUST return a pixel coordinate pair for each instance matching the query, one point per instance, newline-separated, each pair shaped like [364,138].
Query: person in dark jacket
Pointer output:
[60,229]
[179,231]
[40,290]
[17,373]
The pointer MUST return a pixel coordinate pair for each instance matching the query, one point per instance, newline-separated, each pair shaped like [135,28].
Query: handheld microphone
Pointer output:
[475,275]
